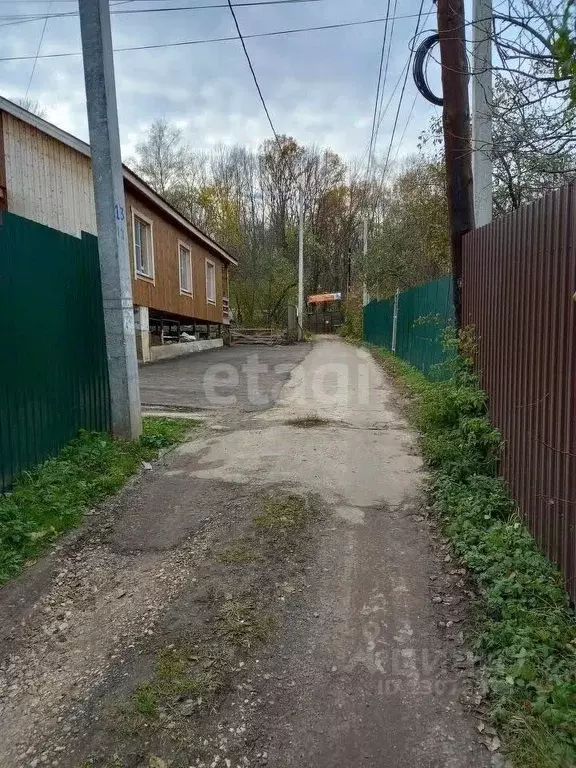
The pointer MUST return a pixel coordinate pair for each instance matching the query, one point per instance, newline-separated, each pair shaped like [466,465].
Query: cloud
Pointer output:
[319,86]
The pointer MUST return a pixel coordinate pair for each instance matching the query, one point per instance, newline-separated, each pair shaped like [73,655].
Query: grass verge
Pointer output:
[53,497]
[526,630]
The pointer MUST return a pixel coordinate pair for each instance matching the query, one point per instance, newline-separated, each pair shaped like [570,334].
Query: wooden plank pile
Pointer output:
[262,336]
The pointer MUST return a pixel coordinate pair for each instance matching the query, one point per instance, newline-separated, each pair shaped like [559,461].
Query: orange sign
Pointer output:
[318,298]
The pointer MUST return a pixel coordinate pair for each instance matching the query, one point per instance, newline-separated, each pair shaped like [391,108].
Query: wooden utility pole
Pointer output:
[457,146]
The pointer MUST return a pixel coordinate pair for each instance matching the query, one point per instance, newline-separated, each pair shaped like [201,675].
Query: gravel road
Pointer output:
[272,592]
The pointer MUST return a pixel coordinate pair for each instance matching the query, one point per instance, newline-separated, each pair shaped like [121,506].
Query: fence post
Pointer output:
[395,319]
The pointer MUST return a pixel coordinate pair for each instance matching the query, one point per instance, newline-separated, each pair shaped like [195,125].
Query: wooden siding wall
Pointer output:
[46,180]
[163,293]
[51,183]
[2,168]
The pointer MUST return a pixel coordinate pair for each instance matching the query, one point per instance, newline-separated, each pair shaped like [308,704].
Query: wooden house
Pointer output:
[180,276]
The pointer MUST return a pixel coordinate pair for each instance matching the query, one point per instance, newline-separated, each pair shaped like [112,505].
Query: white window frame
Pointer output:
[184,246]
[143,275]
[207,270]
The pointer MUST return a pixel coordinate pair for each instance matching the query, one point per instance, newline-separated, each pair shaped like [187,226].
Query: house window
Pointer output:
[210,282]
[143,251]
[185,261]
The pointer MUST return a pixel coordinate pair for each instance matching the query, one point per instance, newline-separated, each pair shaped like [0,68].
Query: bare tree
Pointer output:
[32,105]
[161,159]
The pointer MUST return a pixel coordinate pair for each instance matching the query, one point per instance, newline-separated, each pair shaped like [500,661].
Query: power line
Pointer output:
[379,123]
[377,98]
[406,127]
[64,14]
[383,111]
[252,70]
[403,89]
[38,50]
[276,33]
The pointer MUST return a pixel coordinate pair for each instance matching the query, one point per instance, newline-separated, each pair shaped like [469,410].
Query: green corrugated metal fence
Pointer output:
[423,314]
[53,368]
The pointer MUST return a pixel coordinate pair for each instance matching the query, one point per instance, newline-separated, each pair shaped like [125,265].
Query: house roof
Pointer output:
[145,189]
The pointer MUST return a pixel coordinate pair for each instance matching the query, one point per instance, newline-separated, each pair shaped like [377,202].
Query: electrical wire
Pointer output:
[406,127]
[203,41]
[8,22]
[419,70]
[403,90]
[257,84]
[38,50]
[377,98]
[386,72]
[63,14]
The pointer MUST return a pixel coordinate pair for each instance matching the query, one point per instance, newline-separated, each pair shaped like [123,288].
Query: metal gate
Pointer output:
[324,320]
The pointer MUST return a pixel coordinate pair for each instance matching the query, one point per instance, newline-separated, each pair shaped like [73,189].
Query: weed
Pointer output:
[526,629]
[159,432]
[283,512]
[307,422]
[242,626]
[146,701]
[184,672]
[53,497]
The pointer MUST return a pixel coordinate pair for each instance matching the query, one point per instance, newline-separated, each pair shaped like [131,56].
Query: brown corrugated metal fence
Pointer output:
[519,279]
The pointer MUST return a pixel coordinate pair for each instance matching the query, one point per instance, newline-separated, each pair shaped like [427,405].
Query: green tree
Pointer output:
[410,244]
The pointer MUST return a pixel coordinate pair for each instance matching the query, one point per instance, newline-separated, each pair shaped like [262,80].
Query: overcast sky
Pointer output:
[319,86]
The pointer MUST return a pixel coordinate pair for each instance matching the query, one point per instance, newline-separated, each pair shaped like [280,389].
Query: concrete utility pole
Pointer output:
[110,217]
[456,120]
[300,263]
[482,110]
[395,320]
[365,296]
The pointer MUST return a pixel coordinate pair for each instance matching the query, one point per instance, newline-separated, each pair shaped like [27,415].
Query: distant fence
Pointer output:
[53,368]
[422,315]
[519,281]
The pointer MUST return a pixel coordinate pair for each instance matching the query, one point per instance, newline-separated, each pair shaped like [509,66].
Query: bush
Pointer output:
[526,629]
[353,317]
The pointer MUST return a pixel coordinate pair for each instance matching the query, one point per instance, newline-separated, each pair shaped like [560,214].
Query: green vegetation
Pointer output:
[283,513]
[526,631]
[307,422]
[189,676]
[189,672]
[242,626]
[53,497]
[352,328]
[159,432]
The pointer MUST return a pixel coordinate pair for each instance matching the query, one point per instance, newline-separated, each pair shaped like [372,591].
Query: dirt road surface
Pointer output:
[270,593]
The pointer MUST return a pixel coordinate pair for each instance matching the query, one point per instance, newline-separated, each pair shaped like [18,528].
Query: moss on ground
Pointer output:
[283,513]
